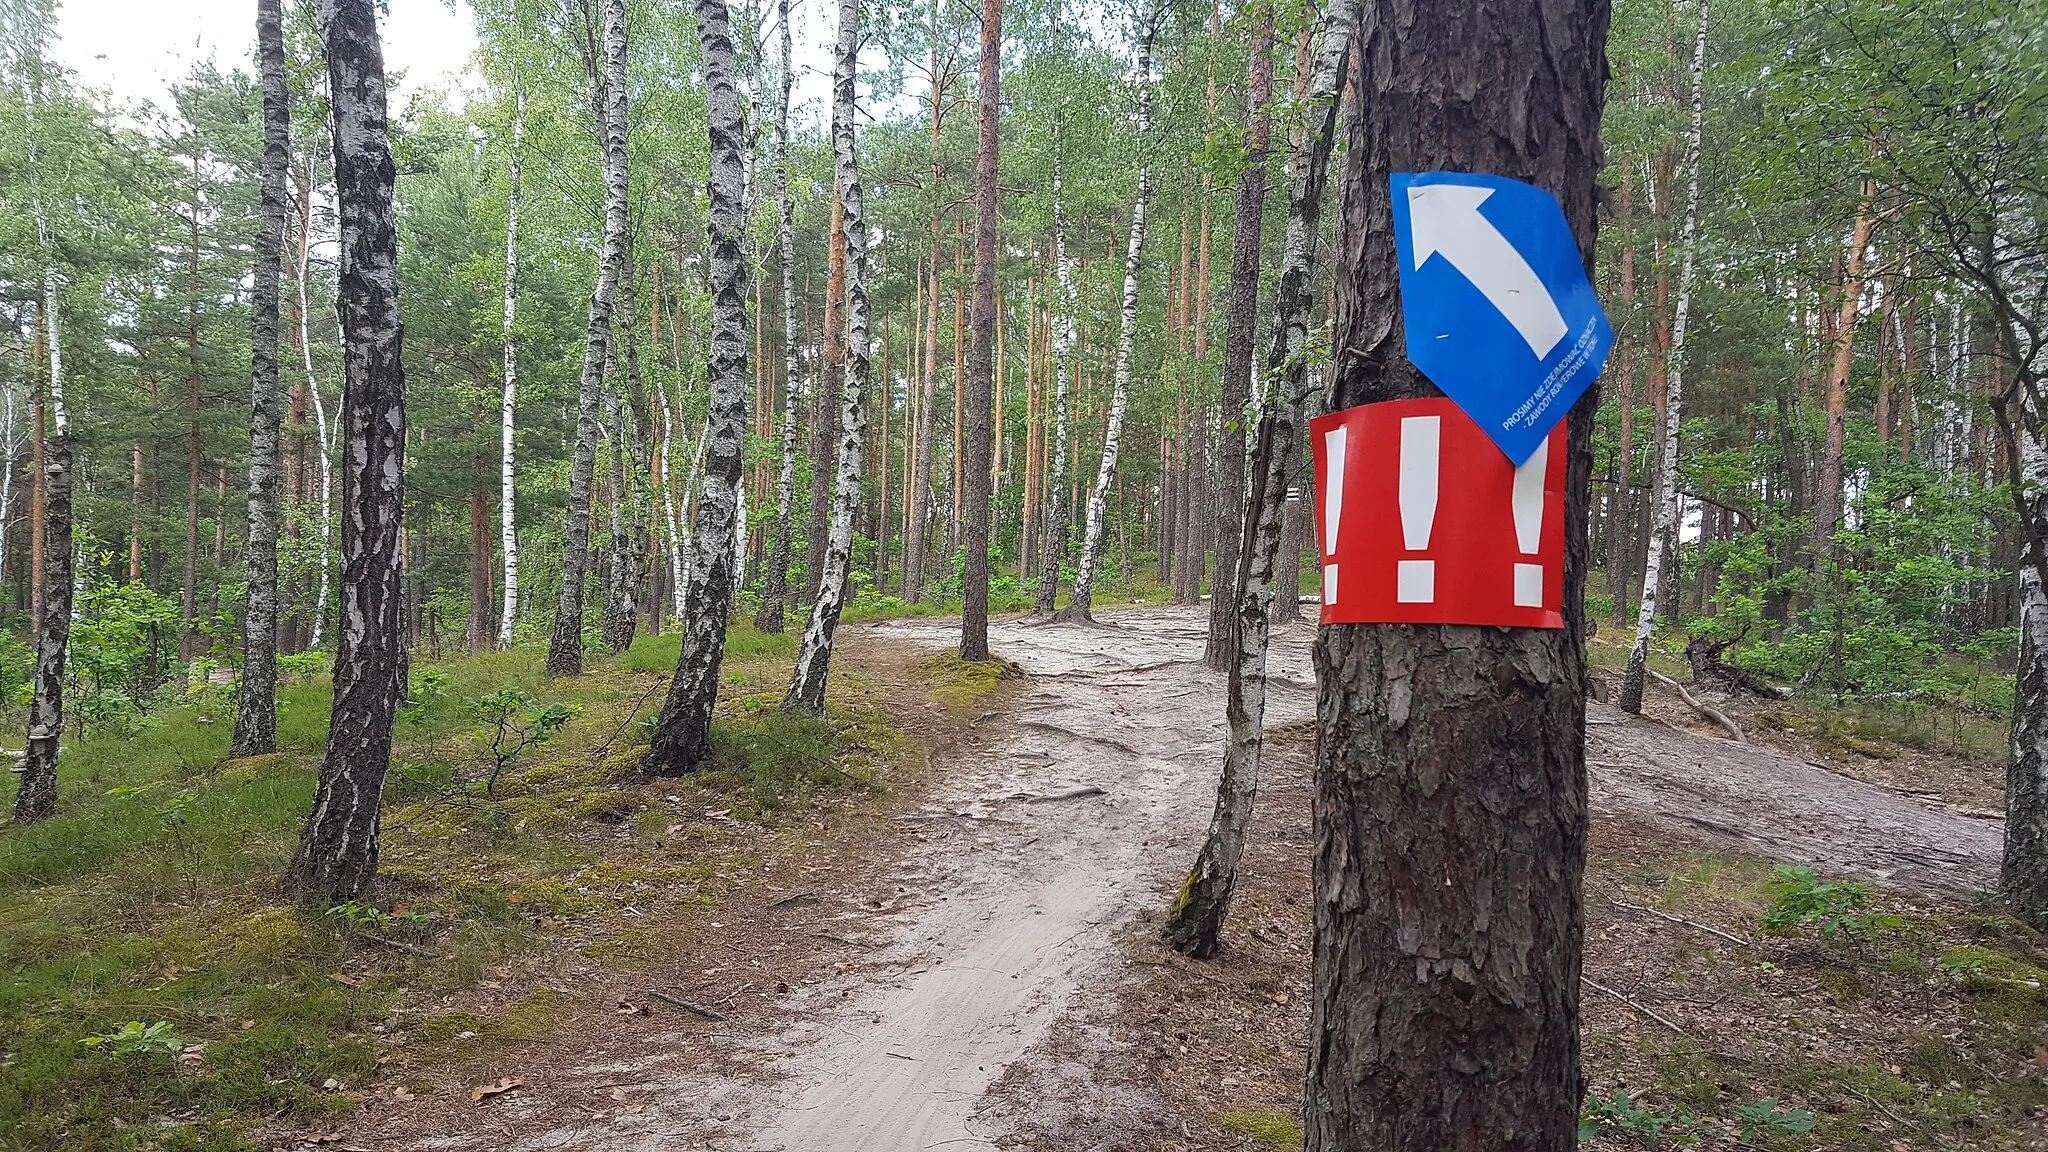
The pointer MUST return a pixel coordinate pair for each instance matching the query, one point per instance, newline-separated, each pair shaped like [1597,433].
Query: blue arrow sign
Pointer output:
[1495,301]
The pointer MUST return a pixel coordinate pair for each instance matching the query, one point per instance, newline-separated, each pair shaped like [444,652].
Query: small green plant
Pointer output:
[1765,1118]
[1961,962]
[370,917]
[138,1039]
[1623,1114]
[428,687]
[1834,907]
[513,722]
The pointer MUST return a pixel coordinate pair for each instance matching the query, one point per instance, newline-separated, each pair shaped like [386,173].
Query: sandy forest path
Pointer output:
[1008,904]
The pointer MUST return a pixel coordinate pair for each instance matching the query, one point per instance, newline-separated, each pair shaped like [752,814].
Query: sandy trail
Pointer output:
[1007,908]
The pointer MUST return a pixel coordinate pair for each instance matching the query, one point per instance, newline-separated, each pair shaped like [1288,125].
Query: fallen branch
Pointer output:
[1713,714]
[1070,794]
[685,1005]
[1728,936]
[1599,987]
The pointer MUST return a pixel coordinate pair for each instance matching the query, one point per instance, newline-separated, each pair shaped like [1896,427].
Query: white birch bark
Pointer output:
[508,537]
[1080,601]
[682,735]
[565,647]
[1664,531]
[1057,532]
[325,440]
[813,662]
[775,588]
[1196,921]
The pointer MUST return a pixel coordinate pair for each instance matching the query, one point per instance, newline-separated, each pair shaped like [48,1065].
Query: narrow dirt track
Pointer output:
[1009,906]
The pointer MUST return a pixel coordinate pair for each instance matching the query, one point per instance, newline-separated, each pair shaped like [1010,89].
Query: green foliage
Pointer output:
[1837,907]
[137,1039]
[1764,1118]
[511,723]
[1625,1115]
[123,647]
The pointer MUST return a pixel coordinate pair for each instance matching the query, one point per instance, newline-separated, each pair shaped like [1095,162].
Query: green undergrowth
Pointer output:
[961,684]
[1858,1019]
[159,994]
[1276,1130]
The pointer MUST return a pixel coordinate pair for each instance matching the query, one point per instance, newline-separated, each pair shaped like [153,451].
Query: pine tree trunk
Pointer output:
[508,536]
[1450,765]
[833,344]
[1226,512]
[188,608]
[1827,506]
[337,852]
[1664,530]
[1287,575]
[1056,530]
[1080,602]
[981,346]
[256,710]
[775,585]
[1195,924]
[565,647]
[1620,519]
[813,663]
[682,735]
[476,634]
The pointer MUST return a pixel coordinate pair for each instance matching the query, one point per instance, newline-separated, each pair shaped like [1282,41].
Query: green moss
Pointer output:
[1273,1129]
[961,684]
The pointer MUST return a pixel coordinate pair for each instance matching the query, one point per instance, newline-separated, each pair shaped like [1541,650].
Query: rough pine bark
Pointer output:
[814,658]
[775,585]
[981,342]
[337,852]
[1226,512]
[1620,517]
[508,537]
[682,734]
[256,710]
[1827,495]
[1664,526]
[833,348]
[565,646]
[1055,532]
[1450,765]
[1195,923]
[1080,602]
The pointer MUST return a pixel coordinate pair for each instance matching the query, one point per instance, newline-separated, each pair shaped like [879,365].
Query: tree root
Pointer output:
[1716,715]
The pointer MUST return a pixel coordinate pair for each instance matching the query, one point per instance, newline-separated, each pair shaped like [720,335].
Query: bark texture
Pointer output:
[682,735]
[1056,532]
[565,647]
[1450,765]
[1664,525]
[1195,924]
[337,853]
[1227,511]
[775,582]
[2023,875]
[256,709]
[981,343]
[814,658]
[1080,602]
[508,537]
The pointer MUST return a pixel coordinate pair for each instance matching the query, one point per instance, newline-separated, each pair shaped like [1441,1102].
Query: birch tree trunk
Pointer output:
[980,445]
[1664,529]
[630,461]
[256,709]
[36,797]
[682,735]
[1227,512]
[1195,924]
[1055,532]
[508,536]
[813,662]
[325,453]
[1080,603]
[337,852]
[775,586]
[2023,874]
[565,647]
[1450,760]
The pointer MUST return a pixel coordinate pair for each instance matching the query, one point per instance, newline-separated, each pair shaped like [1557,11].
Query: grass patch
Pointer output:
[961,684]
[151,896]
[1273,1129]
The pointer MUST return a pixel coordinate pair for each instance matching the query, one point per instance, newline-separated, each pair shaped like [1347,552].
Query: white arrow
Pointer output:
[1445,219]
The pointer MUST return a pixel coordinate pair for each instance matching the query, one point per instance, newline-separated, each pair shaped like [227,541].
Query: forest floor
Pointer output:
[982,972]
[928,921]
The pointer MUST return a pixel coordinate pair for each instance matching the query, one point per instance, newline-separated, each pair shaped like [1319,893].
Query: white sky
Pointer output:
[133,50]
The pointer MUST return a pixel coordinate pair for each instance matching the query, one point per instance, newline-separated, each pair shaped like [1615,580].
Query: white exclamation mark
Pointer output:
[1415,580]
[1333,506]
[1527,504]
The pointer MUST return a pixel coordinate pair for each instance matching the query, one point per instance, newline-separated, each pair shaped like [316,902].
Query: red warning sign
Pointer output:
[1422,520]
